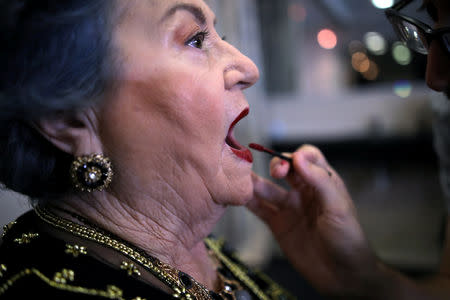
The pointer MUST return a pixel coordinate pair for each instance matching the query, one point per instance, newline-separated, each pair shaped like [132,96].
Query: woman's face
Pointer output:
[438,64]
[180,91]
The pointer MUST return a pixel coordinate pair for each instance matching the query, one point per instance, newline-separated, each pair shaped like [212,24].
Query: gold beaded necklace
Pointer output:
[183,285]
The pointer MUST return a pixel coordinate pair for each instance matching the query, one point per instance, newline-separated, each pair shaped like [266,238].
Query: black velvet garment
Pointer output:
[33,262]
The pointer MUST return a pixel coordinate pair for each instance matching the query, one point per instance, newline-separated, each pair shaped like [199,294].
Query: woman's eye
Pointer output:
[197,40]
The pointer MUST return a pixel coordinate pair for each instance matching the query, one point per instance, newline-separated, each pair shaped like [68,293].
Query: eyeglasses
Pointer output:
[414,33]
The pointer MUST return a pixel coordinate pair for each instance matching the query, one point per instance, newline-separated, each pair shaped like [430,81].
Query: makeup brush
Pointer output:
[270,151]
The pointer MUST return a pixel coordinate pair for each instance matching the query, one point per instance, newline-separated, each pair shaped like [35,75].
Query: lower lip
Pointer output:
[243,154]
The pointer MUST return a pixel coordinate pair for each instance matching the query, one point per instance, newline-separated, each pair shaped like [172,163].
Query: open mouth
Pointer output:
[239,150]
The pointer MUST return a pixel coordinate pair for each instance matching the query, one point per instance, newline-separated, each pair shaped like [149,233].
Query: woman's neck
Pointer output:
[174,236]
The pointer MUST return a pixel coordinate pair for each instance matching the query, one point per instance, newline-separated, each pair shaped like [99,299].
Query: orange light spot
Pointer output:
[360,62]
[372,72]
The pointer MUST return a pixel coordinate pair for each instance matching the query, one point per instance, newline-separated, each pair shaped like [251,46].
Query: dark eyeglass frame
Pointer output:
[430,34]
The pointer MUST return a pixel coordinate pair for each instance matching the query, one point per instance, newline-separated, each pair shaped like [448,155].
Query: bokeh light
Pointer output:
[327,39]
[356,46]
[403,88]
[360,62]
[364,66]
[372,71]
[402,55]
[375,43]
[297,12]
[382,4]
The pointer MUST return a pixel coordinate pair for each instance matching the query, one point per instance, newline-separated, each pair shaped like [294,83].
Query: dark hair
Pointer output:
[55,57]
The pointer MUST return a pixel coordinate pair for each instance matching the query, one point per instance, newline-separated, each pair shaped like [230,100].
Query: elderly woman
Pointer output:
[117,119]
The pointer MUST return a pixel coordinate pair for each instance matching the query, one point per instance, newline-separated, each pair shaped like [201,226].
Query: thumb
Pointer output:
[310,163]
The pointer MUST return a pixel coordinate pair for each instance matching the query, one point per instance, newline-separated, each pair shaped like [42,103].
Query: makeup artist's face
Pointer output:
[180,90]
[438,63]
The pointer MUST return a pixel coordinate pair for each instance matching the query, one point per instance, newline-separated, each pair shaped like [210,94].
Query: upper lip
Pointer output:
[230,140]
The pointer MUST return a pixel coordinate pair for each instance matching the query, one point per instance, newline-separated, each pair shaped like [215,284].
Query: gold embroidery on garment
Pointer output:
[114,292]
[3,269]
[181,293]
[75,250]
[275,290]
[163,272]
[130,268]
[109,293]
[8,227]
[64,276]
[139,298]
[216,246]
[26,238]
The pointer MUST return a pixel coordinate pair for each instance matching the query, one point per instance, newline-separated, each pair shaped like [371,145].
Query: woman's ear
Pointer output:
[73,133]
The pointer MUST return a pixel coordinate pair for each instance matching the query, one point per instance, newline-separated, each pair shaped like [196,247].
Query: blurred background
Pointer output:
[333,74]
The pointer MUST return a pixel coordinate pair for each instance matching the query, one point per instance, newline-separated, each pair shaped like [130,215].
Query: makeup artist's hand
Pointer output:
[315,224]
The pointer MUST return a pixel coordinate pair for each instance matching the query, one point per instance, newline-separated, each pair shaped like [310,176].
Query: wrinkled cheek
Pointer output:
[202,132]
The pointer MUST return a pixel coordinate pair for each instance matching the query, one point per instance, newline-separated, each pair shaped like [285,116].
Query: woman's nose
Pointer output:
[240,70]
[438,68]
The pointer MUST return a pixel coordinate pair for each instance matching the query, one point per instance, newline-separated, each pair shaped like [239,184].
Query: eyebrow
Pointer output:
[194,10]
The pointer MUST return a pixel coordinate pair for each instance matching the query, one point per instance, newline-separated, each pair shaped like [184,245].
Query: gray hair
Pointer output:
[56,57]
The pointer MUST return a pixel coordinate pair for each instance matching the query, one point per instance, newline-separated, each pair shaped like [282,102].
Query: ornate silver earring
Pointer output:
[91,172]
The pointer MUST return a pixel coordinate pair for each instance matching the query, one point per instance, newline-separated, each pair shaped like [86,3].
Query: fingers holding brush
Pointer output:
[307,165]
[280,164]
[279,168]
[314,221]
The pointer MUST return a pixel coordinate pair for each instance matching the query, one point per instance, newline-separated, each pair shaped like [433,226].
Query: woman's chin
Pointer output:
[242,194]
[236,186]
[246,198]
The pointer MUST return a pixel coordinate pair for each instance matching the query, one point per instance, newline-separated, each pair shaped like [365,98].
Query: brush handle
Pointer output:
[282,156]
[260,148]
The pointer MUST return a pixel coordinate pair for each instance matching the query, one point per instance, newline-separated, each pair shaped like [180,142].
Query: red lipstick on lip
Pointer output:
[244,154]
[239,150]
[242,115]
